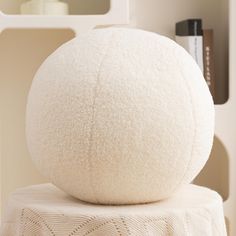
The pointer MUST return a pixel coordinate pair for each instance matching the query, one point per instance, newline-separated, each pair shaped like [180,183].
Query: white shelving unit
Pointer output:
[18,31]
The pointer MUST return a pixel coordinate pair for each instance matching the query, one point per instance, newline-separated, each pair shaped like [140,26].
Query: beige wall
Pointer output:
[22,51]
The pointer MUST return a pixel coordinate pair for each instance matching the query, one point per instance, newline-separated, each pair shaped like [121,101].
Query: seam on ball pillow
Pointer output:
[95,95]
[194,134]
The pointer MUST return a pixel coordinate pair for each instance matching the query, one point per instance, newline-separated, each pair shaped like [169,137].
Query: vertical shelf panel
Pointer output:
[22,51]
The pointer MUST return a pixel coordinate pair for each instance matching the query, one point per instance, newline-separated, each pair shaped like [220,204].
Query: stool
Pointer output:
[44,210]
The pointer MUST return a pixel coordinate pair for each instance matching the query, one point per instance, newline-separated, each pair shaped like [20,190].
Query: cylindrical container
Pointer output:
[44,7]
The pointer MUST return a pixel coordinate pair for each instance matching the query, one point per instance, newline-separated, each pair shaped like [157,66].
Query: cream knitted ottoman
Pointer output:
[44,210]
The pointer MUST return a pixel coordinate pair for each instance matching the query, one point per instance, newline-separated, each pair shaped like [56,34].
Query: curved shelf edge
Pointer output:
[118,14]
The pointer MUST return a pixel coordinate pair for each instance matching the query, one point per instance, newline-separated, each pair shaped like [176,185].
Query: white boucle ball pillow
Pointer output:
[120,116]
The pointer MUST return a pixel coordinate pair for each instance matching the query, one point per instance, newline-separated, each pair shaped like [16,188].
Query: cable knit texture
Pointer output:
[44,210]
[120,116]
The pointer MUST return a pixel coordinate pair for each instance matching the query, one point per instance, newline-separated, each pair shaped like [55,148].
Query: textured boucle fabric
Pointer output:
[43,210]
[119,116]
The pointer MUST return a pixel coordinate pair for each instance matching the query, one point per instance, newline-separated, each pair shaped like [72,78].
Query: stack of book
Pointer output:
[199,43]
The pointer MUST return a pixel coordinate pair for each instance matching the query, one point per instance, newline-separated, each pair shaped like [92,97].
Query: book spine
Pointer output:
[208,58]
[189,27]
[189,36]
[194,46]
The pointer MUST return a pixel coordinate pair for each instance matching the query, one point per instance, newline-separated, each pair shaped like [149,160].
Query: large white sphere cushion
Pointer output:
[119,116]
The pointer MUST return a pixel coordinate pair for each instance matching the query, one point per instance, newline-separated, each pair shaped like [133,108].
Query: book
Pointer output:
[208,59]
[189,35]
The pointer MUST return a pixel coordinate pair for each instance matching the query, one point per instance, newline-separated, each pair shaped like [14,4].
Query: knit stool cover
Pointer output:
[44,210]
